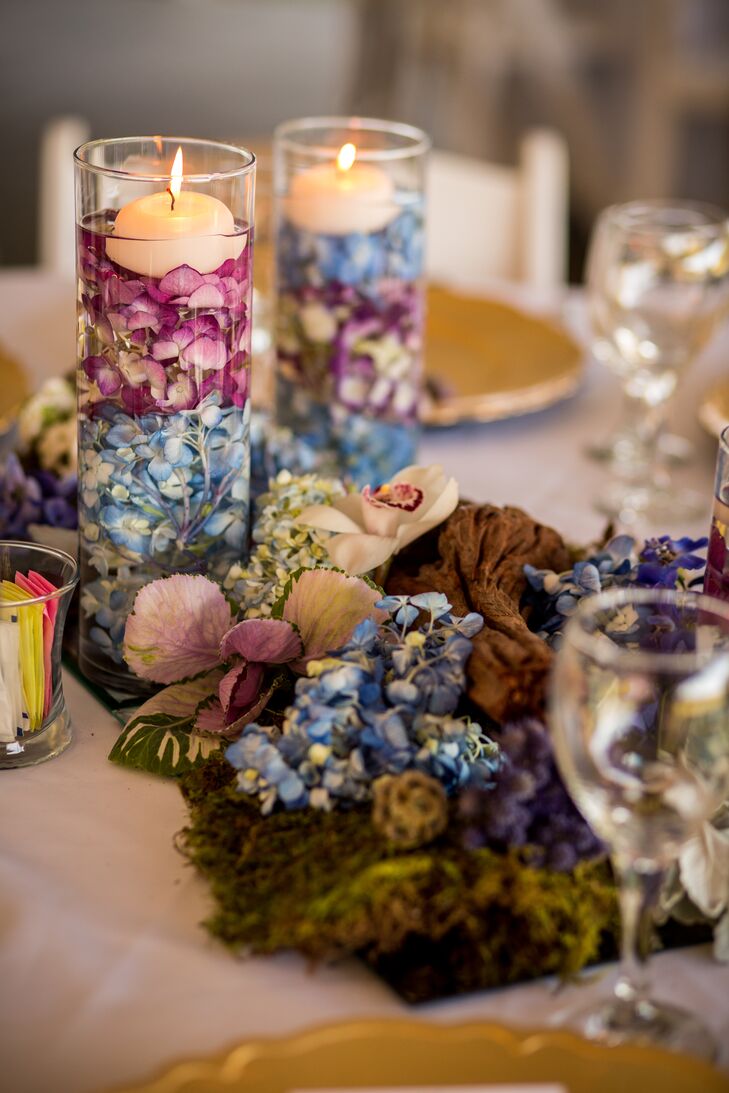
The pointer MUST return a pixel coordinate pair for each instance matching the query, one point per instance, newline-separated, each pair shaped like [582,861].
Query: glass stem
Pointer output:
[637,452]
[638,893]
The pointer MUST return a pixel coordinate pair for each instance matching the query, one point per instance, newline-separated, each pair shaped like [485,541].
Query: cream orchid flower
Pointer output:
[373,525]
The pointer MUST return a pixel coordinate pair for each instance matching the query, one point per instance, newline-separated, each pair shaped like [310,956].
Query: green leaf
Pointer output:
[182,699]
[162,744]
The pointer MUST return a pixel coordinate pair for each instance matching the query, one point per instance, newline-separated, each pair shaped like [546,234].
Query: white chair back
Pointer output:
[486,221]
[56,212]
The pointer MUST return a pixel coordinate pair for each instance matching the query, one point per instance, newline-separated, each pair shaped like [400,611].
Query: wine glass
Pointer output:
[639,713]
[658,283]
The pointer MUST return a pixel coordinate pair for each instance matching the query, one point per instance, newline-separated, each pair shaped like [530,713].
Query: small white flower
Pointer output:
[318,322]
[57,447]
[54,402]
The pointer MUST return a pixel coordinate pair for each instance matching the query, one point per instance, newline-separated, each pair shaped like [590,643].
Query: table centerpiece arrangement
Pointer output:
[357,721]
[164,249]
[349,232]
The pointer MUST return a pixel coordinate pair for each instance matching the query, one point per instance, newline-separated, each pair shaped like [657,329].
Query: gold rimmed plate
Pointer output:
[714,410]
[485,360]
[13,388]
[415,1055]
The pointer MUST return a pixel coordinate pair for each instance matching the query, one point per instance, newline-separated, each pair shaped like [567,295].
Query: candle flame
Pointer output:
[176,175]
[346,157]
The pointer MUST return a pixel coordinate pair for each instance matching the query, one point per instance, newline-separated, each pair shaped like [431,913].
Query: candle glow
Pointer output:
[176,177]
[346,156]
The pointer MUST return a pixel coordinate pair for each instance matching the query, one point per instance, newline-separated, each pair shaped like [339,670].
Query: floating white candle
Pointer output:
[159,232]
[342,197]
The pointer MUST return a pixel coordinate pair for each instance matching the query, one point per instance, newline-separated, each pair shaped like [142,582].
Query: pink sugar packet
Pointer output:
[38,585]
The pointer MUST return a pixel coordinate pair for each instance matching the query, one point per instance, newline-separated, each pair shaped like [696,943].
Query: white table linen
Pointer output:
[105,972]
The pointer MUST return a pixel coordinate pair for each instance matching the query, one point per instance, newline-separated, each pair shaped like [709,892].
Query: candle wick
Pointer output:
[172,197]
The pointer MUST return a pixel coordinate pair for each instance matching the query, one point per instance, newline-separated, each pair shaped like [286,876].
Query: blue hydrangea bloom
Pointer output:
[384,703]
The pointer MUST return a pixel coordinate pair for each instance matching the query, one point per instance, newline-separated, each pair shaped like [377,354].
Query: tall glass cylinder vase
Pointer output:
[716,582]
[164,257]
[349,222]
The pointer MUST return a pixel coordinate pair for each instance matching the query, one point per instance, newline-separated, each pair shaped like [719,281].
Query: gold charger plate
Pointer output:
[487,360]
[13,388]
[371,1053]
[714,410]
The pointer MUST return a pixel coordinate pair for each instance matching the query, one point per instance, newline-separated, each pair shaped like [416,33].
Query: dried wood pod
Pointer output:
[479,565]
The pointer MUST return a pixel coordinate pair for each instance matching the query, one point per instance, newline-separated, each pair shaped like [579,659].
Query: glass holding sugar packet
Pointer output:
[36,586]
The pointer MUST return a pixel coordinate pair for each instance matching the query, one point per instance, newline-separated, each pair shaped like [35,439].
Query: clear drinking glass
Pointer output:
[34,721]
[716,582]
[658,283]
[640,721]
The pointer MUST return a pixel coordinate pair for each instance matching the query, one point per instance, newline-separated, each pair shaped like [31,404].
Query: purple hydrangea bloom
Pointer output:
[34,497]
[21,498]
[524,803]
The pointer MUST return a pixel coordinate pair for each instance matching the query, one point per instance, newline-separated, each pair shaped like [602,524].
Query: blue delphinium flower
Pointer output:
[384,703]
[662,560]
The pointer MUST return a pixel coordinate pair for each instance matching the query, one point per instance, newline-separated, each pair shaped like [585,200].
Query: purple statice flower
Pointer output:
[662,559]
[524,803]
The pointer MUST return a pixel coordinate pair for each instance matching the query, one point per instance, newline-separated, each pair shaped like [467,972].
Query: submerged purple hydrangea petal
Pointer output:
[181,281]
[206,353]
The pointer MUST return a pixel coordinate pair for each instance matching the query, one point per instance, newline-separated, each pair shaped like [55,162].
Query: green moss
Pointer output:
[433,921]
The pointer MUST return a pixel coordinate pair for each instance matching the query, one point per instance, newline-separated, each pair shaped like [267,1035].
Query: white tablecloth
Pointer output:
[105,972]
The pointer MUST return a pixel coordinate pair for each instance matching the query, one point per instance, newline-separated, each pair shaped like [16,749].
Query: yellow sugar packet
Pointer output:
[32,669]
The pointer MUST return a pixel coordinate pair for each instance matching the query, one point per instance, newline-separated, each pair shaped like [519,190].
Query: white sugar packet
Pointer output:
[13,717]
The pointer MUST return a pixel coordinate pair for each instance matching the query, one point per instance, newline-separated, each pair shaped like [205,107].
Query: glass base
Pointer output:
[37,747]
[629,503]
[615,450]
[118,680]
[645,1022]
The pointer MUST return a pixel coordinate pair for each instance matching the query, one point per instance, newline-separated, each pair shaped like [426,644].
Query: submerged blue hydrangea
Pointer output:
[386,702]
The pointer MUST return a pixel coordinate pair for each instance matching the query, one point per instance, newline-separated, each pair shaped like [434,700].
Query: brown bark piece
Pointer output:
[483,550]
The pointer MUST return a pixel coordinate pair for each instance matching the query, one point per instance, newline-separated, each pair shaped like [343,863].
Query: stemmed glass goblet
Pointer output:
[657,285]
[640,721]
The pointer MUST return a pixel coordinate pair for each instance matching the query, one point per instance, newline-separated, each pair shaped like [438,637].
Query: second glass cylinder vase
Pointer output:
[164,249]
[350,228]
